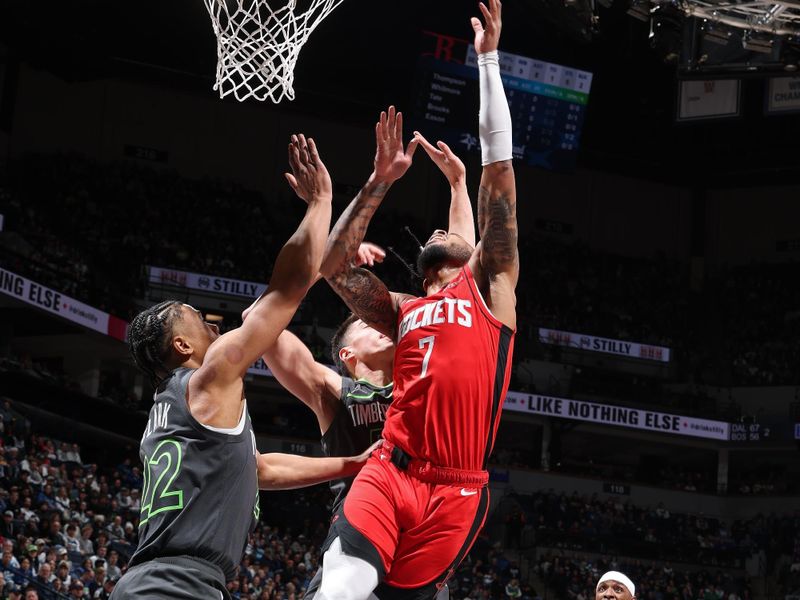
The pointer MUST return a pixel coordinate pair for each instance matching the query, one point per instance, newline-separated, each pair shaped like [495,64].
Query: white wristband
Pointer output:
[494,119]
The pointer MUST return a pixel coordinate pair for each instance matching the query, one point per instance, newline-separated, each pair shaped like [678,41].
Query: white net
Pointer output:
[258,46]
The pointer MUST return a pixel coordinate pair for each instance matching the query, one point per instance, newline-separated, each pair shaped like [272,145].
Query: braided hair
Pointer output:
[150,336]
[337,343]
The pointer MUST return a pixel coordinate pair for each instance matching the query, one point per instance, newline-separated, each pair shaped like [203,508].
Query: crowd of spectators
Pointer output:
[580,290]
[760,305]
[69,527]
[488,573]
[110,386]
[613,526]
[669,477]
[575,578]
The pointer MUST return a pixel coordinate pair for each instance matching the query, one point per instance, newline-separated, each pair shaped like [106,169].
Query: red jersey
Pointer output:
[451,371]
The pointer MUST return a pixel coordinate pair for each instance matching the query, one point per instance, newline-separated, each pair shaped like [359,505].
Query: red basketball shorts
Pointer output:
[421,530]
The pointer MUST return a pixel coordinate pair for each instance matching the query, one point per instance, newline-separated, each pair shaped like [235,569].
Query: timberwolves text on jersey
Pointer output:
[368,414]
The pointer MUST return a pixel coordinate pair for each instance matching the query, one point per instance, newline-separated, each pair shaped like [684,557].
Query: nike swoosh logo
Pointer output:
[466,492]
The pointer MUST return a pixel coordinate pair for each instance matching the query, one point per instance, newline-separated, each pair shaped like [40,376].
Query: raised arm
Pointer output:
[462,222]
[219,379]
[365,294]
[313,383]
[496,260]
[277,471]
[293,365]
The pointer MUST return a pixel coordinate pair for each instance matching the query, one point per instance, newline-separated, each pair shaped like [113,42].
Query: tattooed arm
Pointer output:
[497,206]
[365,294]
[496,259]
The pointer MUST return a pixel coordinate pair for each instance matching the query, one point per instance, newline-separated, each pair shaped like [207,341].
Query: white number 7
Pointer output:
[426,340]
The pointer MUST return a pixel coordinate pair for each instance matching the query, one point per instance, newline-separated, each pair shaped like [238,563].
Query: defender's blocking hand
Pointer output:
[391,160]
[309,178]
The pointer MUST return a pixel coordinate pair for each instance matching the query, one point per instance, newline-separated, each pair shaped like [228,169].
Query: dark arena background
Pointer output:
[653,417]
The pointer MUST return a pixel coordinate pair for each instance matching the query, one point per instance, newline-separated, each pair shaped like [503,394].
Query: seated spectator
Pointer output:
[62,573]
[104,593]
[85,543]
[513,591]
[76,590]
[112,567]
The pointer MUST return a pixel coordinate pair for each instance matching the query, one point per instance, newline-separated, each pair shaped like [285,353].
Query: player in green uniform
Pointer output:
[201,466]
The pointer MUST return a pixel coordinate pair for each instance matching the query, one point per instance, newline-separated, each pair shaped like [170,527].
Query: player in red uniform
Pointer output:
[417,506]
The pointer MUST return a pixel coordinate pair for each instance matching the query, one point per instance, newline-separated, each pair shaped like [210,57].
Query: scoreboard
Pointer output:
[750,432]
[547,102]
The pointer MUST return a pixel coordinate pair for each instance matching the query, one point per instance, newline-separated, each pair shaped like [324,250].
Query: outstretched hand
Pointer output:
[369,254]
[444,158]
[487,36]
[391,159]
[309,177]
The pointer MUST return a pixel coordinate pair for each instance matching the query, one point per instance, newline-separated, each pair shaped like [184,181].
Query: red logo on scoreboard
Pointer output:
[444,47]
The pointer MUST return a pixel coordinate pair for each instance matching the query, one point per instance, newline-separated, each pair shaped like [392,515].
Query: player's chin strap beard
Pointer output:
[416,277]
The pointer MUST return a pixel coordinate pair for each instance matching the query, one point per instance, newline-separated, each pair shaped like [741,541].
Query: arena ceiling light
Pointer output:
[723,36]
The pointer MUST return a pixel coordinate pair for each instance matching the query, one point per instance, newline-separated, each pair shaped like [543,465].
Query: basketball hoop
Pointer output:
[258,46]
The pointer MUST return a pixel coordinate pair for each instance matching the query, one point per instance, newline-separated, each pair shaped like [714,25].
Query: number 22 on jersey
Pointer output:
[160,471]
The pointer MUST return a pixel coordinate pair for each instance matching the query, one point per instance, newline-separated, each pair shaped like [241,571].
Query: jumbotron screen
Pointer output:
[547,102]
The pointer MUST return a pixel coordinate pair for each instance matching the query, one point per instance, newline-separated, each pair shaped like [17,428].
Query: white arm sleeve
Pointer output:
[494,119]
